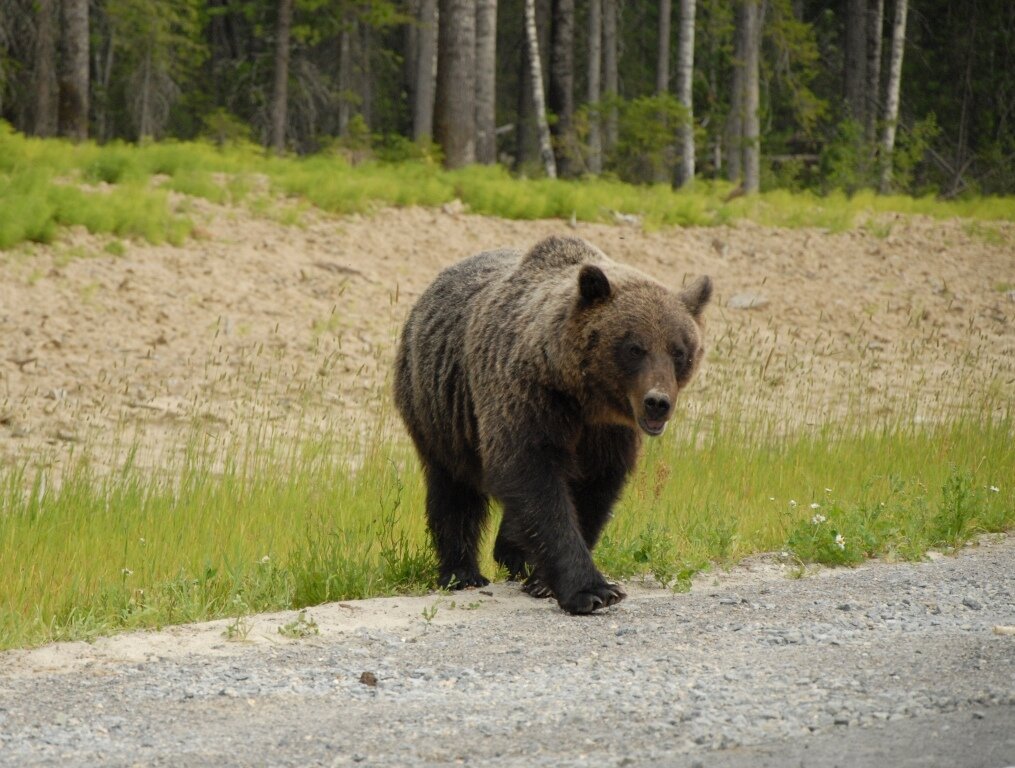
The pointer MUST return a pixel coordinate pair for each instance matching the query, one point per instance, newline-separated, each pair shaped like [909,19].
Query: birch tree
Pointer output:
[595,64]
[892,97]
[536,80]
[486,80]
[685,82]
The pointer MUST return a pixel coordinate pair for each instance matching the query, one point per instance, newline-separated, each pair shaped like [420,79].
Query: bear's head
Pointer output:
[638,344]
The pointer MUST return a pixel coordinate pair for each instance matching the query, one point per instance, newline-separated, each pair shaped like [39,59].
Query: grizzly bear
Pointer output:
[529,378]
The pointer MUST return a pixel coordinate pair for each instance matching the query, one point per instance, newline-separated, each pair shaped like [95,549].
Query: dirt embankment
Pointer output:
[253,322]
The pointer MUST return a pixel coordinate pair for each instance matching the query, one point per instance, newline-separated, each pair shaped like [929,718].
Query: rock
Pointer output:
[747,301]
[971,603]
[368,678]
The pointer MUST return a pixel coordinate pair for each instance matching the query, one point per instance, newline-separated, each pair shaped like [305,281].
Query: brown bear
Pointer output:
[529,378]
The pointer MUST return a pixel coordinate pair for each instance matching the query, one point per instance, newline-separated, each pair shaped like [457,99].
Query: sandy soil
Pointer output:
[294,328]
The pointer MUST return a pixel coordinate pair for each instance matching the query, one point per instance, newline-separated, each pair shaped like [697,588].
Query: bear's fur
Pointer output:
[529,378]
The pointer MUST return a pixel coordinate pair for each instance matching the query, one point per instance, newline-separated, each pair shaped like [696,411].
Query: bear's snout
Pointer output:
[656,409]
[657,406]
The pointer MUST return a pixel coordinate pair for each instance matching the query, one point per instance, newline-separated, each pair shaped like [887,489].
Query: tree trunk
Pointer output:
[752,133]
[526,133]
[144,121]
[560,99]
[735,122]
[536,79]
[74,71]
[44,75]
[875,25]
[455,104]
[422,113]
[855,61]
[486,81]
[685,82]
[892,97]
[595,67]
[663,59]
[345,79]
[366,75]
[610,78]
[280,91]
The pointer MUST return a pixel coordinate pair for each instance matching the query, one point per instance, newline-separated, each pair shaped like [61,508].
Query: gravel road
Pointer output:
[883,665]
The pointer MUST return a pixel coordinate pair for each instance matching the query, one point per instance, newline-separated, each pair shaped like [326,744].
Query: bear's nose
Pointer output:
[657,406]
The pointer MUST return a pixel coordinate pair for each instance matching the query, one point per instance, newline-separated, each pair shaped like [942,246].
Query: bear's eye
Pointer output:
[636,351]
[679,355]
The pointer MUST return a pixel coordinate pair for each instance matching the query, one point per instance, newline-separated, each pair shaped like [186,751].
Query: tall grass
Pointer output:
[284,523]
[120,188]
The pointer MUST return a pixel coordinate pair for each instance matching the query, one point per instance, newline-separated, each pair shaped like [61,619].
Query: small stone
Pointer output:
[368,678]
[747,301]
[844,607]
[971,603]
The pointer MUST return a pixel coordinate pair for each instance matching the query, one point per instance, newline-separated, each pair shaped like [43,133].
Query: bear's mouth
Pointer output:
[653,427]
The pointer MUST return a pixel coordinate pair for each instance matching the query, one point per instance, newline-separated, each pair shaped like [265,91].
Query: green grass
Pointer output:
[287,524]
[122,189]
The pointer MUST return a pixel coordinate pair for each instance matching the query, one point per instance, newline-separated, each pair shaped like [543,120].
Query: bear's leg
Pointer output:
[456,514]
[540,518]
[606,457]
[510,555]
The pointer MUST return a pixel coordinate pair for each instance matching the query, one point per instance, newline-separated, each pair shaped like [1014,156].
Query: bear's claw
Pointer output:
[589,600]
[533,587]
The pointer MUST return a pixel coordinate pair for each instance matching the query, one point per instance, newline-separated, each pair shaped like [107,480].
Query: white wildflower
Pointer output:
[994,489]
[828,490]
[840,542]
[818,519]
[127,572]
[815,505]
[792,502]
[265,560]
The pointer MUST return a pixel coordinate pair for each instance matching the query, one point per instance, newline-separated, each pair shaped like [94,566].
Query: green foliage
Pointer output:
[647,128]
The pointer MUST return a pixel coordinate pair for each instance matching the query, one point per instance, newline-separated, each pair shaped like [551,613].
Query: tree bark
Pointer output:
[280,91]
[561,93]
[366,75]
[455,104]
[536,80]
[663,59]
[44,74]
[344,77]
[735,122]
[855,62]
[610,78]
[752,133]
[892,97]
[875,25]
[595,67]
[422,113]
[486,81]
[685,82]
[74,71]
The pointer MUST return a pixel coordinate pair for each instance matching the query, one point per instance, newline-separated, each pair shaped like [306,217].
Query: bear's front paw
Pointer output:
[592,598]
[533,587]
[460,578]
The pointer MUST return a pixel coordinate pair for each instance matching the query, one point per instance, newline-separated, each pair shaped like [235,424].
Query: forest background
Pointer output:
[801,94]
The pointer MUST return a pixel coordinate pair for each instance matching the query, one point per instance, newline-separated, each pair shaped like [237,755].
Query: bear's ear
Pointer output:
[696,295]
[593,285]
